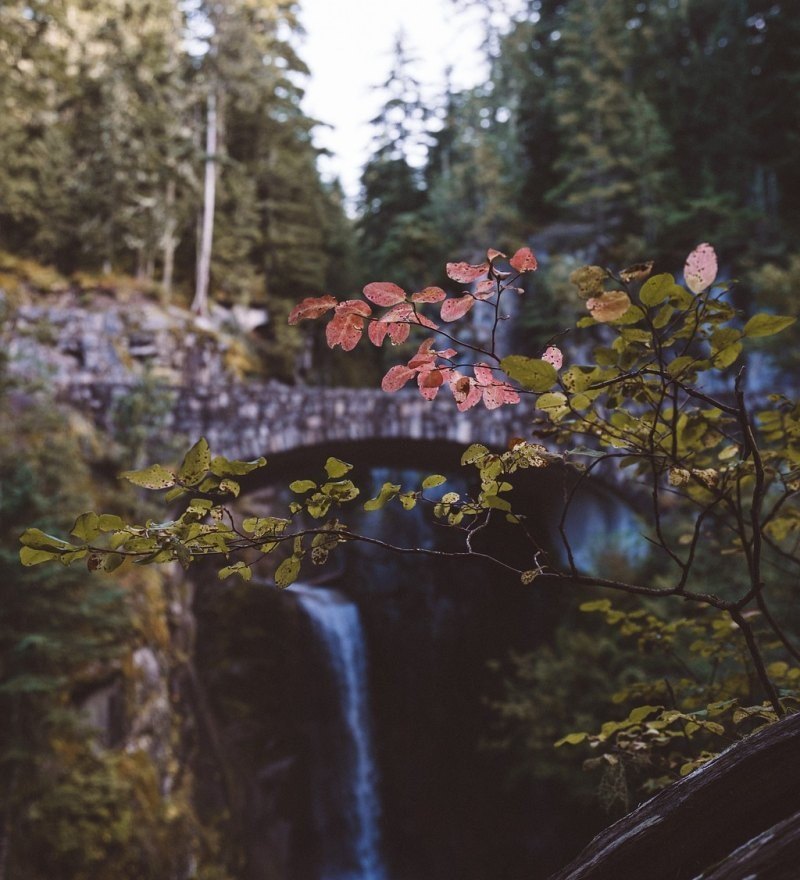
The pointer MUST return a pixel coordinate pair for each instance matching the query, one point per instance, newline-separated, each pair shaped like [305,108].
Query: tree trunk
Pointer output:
[169,241]
[695,823]
[200,304]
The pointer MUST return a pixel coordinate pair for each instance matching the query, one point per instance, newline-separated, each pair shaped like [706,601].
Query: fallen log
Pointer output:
[698,822]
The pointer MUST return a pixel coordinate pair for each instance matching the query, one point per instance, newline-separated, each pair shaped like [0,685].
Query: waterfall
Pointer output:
[336,622]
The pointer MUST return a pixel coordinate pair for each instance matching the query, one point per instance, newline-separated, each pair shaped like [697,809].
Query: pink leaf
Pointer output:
[311,307]
[453,309]
[466,273]
[553,356]
[398,332]
[524,260]
[429,295]
[345,330]
[384,293]
[430,381]
[404,313]
[353,307]
[377,332]
[465,391]
[423,356]
[701,268]
[396,378]
[493,254]
[484,374]
[484,289]
[499,395]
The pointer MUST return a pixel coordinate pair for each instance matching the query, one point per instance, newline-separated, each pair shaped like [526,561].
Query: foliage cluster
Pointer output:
[719,467]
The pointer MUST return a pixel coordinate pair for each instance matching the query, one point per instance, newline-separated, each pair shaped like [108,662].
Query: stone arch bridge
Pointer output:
[246,421]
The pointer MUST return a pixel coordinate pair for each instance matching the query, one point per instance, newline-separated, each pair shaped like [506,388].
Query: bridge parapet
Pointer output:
[248,420]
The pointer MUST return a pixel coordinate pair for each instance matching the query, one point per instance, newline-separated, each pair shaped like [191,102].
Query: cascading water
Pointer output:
[337,623]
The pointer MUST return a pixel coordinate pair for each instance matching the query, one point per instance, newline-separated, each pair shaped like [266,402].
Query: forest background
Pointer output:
[605,132]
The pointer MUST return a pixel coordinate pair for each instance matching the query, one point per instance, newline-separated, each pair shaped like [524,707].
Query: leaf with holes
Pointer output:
[701,268]
[384,293]
[312,307]
[524,260]
[453,309]
[466,273]
[396,378]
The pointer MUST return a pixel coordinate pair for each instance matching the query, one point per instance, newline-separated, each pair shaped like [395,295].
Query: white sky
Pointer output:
[348,49]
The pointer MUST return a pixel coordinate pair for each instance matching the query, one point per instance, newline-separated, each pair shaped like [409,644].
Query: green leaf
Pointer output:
[572,739]
[87,527]
[552,401]
[302,486]
[222,467]
[532,373]
[387,492]
[638,714]
[30,556]
[727,356]
[195,464]
[656,289]
[597,605]
[433,480]
[287,571]
[408,500]
[39,540]
[230,487]
[474,453]
[244,571]
[154,477]
[766,325]
[108,522]
[335,468]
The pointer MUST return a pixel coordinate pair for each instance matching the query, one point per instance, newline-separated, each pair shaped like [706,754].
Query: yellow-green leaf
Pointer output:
[154,477]
[287,571]
[195,464]
[532,373]
[335,468]
[766,325]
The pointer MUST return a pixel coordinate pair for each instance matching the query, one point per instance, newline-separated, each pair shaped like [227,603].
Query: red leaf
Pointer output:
[453,309]
[499,395]
[484,289]
[524,260]
[384,293]
[430,381]
[484,374]
[701,268]
[553,356]
[345,330]
[377,332]
[353,307]
[311,307]
[398,332]
[466,273]
[396,378]
[430,378]
[465,391]
[404,313]
[429,295]
[423,357]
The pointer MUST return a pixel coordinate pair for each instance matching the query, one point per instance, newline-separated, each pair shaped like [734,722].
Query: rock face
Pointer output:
[77,339]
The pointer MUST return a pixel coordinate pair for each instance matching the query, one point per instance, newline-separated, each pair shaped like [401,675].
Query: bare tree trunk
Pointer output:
[200,303]
[169,241]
